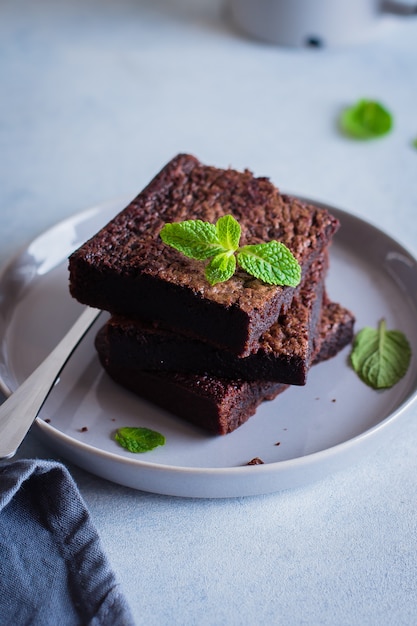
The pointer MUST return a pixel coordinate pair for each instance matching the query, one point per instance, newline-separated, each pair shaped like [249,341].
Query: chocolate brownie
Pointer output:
[336,329]
[284,351]
[215,404]
[127,269]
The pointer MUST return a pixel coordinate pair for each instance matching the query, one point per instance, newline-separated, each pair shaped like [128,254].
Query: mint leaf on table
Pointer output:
[380,357]
[271,262]
[138,439]
[414,143]
[367,119]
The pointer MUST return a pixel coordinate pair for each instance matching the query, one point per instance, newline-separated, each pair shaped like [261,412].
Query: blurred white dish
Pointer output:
[315,23]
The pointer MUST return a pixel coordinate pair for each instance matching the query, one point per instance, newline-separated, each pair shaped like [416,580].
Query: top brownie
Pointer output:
[127,269]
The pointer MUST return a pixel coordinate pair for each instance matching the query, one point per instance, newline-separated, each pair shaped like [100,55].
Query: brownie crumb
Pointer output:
[256,461]
[47,420]
[278,443]
[334,400]
[83,429]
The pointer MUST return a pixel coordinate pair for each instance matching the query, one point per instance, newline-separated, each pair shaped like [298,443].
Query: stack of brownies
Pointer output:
[209,354]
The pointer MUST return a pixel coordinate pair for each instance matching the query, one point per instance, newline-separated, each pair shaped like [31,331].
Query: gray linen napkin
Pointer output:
[52,566]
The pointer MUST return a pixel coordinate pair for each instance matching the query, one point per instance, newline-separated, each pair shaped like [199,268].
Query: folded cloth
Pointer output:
[52,566]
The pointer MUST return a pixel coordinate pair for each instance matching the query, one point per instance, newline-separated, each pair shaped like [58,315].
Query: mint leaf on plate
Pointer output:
[138,439]
[272,262]
[380,357]
[367,119]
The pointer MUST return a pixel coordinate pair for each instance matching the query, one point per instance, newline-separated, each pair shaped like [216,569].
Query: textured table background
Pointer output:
[95,97]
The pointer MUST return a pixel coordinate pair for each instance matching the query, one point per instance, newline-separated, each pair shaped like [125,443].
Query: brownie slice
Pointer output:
[335,331]
[127,269]
[284,351]
[216,404]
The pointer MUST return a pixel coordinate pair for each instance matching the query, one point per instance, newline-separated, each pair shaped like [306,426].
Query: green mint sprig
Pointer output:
[380,357]
[138,439]
[271,262]
[367,119]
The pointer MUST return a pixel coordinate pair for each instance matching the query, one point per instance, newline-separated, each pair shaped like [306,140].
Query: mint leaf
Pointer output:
[272,262]
[367,119]
[414,144]
[194,238]
[221,268]
[138,439]
[380,357]
[228,232]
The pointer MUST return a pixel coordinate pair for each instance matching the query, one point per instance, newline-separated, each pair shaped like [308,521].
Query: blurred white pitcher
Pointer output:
[312,22]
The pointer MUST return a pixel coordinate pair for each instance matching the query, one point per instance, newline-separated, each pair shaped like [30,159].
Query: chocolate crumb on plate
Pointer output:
[256,461]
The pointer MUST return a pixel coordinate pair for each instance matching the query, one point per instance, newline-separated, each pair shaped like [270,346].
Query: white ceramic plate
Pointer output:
[320,428]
